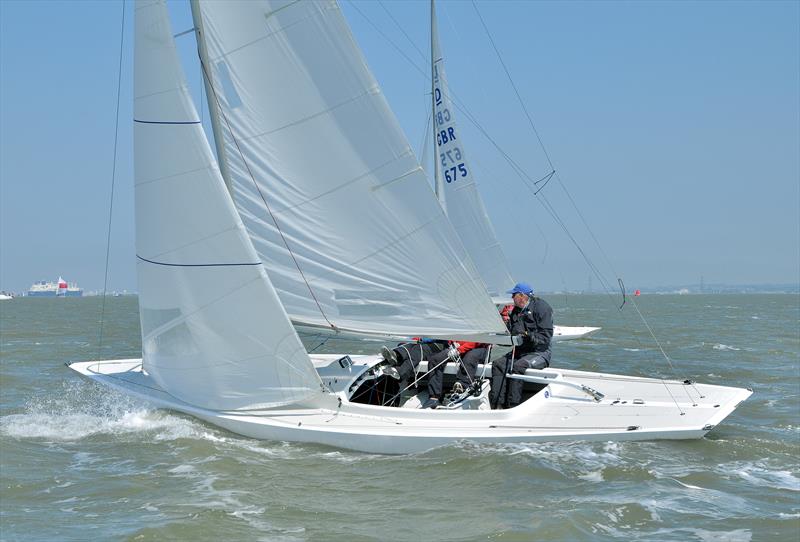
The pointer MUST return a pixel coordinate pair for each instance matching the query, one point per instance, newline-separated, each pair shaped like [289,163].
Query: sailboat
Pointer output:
[457,191]
[326,161]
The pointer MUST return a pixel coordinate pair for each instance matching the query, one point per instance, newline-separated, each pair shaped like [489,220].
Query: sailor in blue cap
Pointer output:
[531,323]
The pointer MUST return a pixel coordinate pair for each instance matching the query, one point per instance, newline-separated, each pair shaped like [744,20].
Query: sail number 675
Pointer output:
[451,174]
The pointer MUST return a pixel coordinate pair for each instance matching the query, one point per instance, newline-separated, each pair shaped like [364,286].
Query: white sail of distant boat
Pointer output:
[458,193]
[216,340]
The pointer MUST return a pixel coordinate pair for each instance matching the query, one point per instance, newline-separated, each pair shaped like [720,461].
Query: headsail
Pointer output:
[213,330]
[313,147]
[456,177]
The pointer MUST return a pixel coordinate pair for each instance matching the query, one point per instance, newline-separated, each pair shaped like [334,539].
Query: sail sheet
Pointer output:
[456,177]
[335,201]
[214,333]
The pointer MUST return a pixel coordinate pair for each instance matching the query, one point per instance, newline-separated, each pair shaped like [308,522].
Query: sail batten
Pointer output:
[214,332]
[332,196]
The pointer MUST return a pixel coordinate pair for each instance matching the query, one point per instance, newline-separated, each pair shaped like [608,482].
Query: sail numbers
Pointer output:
[445,136]
[450,156]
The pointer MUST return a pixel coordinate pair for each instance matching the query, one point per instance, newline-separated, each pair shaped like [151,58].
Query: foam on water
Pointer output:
[756,473]
[703,535]
[720,346]
[594,476]
[687,486]
[80,411]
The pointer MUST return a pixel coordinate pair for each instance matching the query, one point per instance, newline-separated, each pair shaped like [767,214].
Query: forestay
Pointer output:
[312,146]
[455,181]
[213,330]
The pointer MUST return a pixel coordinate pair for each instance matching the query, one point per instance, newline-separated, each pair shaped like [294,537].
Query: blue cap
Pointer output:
[521,288]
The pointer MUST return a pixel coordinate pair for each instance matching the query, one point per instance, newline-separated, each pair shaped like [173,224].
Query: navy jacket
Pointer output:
[534,323]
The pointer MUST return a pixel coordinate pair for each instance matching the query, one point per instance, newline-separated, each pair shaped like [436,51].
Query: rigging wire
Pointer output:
[521,172]
[113,181]
[512,163]
[539,138]
[561,183]
[423,151]
[459,105]
[553,171]
[397,24]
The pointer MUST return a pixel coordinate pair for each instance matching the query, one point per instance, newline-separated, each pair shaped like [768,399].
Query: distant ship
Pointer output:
[55,289]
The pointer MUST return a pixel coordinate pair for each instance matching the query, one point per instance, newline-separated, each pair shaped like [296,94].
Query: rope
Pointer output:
[113,182]
[417,378]
[321,344]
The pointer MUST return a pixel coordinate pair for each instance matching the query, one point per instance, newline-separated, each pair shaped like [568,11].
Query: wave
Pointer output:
[80,411]
[757,474]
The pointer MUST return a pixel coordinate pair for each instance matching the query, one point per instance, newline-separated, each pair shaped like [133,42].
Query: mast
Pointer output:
[437,174]
[219,143]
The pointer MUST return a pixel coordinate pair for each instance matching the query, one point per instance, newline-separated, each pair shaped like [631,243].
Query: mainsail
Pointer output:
[335,202]
[455,182]
[213,330]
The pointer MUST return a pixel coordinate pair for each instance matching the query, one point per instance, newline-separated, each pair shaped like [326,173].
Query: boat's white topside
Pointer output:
[560,333]
[566,333]
[633,408]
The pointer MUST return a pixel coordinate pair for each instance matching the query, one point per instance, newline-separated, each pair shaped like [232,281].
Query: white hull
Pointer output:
[560,333]
[567,333]
[633,409]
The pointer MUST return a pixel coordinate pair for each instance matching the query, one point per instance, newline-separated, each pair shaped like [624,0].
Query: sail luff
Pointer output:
[213,109]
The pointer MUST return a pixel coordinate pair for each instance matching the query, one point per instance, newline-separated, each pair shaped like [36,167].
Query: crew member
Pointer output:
[404,358]
[531,322]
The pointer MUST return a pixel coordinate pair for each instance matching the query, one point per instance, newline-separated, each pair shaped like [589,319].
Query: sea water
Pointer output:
[81,462]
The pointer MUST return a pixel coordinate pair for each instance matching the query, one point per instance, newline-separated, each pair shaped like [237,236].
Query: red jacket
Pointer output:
[464,347]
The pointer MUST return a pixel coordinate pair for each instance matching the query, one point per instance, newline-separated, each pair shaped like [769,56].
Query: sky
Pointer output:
[674,127]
